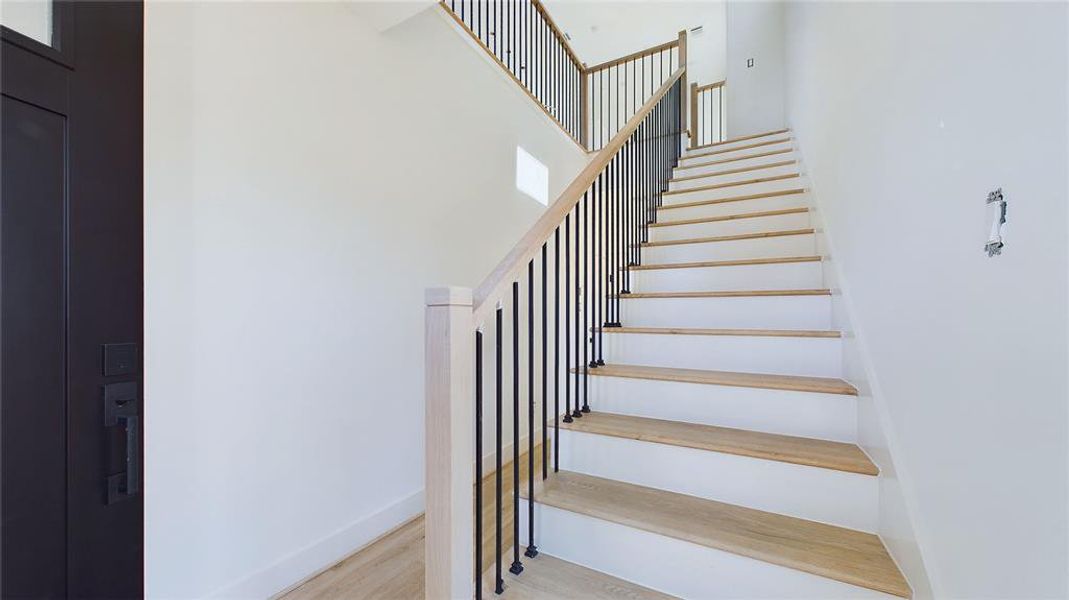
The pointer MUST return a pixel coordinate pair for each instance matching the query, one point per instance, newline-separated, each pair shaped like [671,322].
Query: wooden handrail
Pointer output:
[510,269]
[709,86]
[633,56]
[563,39]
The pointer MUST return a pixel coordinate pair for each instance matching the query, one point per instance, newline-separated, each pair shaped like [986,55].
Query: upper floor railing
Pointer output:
[706,114]
[618,87]
[589,103]
[526,43]
[533,327]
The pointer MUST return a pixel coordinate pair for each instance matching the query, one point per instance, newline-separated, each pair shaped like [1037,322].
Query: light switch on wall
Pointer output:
[749,63]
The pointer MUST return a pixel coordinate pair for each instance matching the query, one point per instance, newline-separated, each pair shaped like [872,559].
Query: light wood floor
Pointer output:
[391,568]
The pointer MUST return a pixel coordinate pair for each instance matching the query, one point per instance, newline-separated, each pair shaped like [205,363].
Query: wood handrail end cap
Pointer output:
[448,295]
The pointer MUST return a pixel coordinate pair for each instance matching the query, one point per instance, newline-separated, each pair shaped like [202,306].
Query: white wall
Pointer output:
[306,179]
[754,94]
[602,31]
[907,115]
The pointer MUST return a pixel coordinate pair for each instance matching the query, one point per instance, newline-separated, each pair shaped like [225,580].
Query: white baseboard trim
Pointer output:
[299,566]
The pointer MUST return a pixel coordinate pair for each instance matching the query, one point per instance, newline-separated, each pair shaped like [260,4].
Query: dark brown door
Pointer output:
[71,410]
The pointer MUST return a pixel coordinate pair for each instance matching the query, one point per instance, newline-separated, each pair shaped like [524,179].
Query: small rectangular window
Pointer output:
[532,177]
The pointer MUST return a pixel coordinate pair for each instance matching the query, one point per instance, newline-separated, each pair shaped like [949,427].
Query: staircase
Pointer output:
[719,456]
[648,386]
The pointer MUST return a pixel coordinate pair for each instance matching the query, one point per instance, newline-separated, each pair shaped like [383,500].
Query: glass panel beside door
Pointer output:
[31,18]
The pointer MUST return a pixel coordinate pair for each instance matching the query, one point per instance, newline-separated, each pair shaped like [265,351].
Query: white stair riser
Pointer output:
[805,275]
[731,177]
[700,167]
[798,220]
[824,495]
[735,190]
[732,208]
[698,157]
[769,312]
[780,246]
[735,144]
[816,357]
[674,566]
[803,414]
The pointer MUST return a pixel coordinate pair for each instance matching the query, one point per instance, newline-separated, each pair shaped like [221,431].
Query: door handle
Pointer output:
[120,408]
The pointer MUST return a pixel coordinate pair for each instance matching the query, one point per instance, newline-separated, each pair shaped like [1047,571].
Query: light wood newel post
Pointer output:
[693,115]
[450,446]
[683,84]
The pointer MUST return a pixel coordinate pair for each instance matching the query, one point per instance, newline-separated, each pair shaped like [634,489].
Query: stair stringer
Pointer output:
[897,526]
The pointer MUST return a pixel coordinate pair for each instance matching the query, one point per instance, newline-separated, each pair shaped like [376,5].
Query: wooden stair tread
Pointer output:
[757,196]
[782,260]
[721,161]
[717,186]
[737,148]
[730,238]
[796,383]
[741,138]
[803,333]
[845,555]
[750,215]
[725,294]
[783,163]
[809,452]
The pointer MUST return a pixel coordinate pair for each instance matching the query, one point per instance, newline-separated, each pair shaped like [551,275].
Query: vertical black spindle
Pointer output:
[588,322]
[545,433]
[599,266]
[567,317]
[580,366]
[517,566]
[478,464]
[499,583]
[556,347]
[532,550]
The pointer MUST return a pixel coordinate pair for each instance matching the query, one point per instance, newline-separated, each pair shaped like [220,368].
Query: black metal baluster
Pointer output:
[478,464]
[499,583]
[580,366]
[517,566]
[556,348]
[532,550]
[599,267]
[621,211]
[587,287]
[545,414]
[567,319]
[614,269]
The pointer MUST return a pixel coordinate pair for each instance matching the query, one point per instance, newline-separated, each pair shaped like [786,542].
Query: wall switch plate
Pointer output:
[749,63]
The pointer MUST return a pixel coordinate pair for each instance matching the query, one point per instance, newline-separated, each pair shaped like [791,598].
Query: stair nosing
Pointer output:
[746,147]
[748,262]
[764,528]
[741,139]
[863,467]
[733,217]
[773,165]
[729,199]
[763,381]
[736,159]
[727,184]
[730,238]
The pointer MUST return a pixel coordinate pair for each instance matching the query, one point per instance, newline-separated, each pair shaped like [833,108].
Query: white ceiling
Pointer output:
[604,30]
